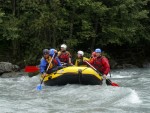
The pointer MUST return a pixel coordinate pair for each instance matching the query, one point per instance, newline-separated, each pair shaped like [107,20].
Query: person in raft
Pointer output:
[45,62]
[51,53]
[64,55]
[101,63]
[80,59]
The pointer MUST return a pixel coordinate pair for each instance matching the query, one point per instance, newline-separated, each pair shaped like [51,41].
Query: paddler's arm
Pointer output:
[43,67]
[106,65]
[70,62]
[58,61]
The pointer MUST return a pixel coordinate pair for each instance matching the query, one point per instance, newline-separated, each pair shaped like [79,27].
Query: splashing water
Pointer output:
[19,95]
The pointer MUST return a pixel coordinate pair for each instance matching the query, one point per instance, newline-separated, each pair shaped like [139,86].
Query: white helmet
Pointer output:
[64,46]
[81,53]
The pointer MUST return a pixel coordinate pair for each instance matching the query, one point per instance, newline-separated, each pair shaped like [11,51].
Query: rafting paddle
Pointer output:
[108,81]
[39,87]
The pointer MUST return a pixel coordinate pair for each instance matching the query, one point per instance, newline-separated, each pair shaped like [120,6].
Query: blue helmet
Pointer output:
[98,50]
[52,51]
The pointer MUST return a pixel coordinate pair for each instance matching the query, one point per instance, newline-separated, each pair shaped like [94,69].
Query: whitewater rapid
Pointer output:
[19,95]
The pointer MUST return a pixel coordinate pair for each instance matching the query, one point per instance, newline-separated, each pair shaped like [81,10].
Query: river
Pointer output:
[19,95]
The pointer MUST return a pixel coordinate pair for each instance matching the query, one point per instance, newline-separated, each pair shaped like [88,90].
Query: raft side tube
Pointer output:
[74,75]
[70,78]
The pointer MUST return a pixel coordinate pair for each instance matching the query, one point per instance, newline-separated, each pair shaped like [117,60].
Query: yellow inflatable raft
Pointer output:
[73,75]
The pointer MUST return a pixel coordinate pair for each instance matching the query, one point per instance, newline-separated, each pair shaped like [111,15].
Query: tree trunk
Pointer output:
[72,23]
[96,32]
[71,29]
[14,42]
[14,7]
[62,2]
[50,32]
[54,38]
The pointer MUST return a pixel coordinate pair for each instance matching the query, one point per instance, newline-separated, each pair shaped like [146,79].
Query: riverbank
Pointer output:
[8,69]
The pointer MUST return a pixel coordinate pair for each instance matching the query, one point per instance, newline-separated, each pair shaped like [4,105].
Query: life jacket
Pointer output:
[53,63]
[64,56]
[97,63]
[80,61]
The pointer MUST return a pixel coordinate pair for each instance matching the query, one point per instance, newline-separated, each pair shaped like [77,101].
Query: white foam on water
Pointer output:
[120,76]
[20,95]
[134,98]
[124,74]
[130,98]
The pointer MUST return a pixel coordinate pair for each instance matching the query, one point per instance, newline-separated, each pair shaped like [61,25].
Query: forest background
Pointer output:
[121,28]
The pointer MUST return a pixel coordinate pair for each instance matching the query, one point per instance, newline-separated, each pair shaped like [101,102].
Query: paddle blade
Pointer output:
[31,69]
[109,82]
[39,87]
[114,84]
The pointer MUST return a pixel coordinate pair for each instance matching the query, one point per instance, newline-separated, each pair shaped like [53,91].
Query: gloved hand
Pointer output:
[44,74]
[56,53]
[70,64]
[104,76]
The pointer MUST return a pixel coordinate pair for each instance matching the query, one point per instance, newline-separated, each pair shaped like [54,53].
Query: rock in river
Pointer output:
[6,67]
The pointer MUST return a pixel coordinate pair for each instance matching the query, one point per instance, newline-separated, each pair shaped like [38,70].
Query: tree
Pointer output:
[32,25]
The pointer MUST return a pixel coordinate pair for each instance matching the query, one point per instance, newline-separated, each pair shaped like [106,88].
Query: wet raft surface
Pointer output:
[73,75]
[19,95]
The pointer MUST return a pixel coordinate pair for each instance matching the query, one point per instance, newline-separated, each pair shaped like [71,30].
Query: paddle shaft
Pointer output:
[97,71]
[93,67]
[108,80]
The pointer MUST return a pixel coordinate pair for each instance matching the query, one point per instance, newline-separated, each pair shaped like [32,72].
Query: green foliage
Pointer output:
[32,25]
[124,22]
[11,30]
[1,16]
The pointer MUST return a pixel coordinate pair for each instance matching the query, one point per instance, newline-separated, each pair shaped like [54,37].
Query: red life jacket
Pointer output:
[101,64]
[97,62]
[64,57]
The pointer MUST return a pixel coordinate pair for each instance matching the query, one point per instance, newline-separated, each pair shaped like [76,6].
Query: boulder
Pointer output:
[124,66]
[13,74]
[129,66]
[113,64]
[6,67]
[146,65]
